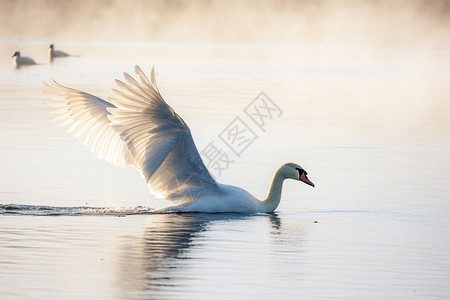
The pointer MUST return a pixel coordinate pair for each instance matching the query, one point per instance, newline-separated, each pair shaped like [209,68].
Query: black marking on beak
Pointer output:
[302,177]
[300,172]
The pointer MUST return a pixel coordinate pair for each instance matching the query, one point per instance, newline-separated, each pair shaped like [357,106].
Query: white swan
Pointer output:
[138,128]
[52,53]
[21,60]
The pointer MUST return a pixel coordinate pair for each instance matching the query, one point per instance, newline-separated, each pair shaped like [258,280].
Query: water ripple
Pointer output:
[37,210]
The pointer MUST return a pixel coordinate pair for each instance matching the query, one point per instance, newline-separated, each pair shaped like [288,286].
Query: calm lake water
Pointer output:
[370,125]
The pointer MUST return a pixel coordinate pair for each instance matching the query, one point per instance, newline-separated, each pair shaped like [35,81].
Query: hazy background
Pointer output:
[347,72]
[364,89]
[396,22]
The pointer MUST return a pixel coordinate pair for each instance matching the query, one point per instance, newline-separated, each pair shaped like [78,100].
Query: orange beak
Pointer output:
[306,180]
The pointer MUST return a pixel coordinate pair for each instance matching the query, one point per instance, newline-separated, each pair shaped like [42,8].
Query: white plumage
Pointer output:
[52,53]
[136,127]
[19,60]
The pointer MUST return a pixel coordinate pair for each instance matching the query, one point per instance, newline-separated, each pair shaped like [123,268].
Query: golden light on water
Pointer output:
[363,86]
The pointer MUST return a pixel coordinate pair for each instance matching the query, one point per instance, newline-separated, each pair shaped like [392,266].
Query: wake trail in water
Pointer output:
[37,210]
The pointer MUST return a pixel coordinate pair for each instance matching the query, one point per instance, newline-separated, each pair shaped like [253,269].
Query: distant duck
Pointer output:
[52,53]
[21,60]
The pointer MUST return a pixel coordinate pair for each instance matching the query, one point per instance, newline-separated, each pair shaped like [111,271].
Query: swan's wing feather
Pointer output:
[159,140]
[87,117]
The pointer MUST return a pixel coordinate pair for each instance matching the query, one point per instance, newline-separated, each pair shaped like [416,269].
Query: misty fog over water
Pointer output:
[392,23]
[362,94]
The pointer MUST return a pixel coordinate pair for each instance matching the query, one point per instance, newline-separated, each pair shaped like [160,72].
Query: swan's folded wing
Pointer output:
[88,119]
[159,140]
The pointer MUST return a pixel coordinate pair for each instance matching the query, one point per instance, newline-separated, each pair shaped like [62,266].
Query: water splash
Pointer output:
[37,210]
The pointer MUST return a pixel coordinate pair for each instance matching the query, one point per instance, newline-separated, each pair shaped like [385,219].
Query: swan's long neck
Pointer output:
[274,195]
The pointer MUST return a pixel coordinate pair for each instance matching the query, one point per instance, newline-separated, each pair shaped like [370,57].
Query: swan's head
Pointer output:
[51,46]
[16,54]
[296,172]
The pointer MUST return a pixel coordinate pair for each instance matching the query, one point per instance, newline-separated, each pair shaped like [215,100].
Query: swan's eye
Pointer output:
[301,171]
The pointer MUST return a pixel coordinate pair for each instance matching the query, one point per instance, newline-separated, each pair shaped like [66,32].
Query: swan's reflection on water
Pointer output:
[161,259]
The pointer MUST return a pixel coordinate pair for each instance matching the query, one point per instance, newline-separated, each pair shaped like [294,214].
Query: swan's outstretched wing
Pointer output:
[137,127]
[159,140]
[88,120]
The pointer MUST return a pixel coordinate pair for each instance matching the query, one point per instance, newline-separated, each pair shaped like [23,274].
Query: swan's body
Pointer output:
[228,198]
[52,53]
[19,60]
[138,128]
